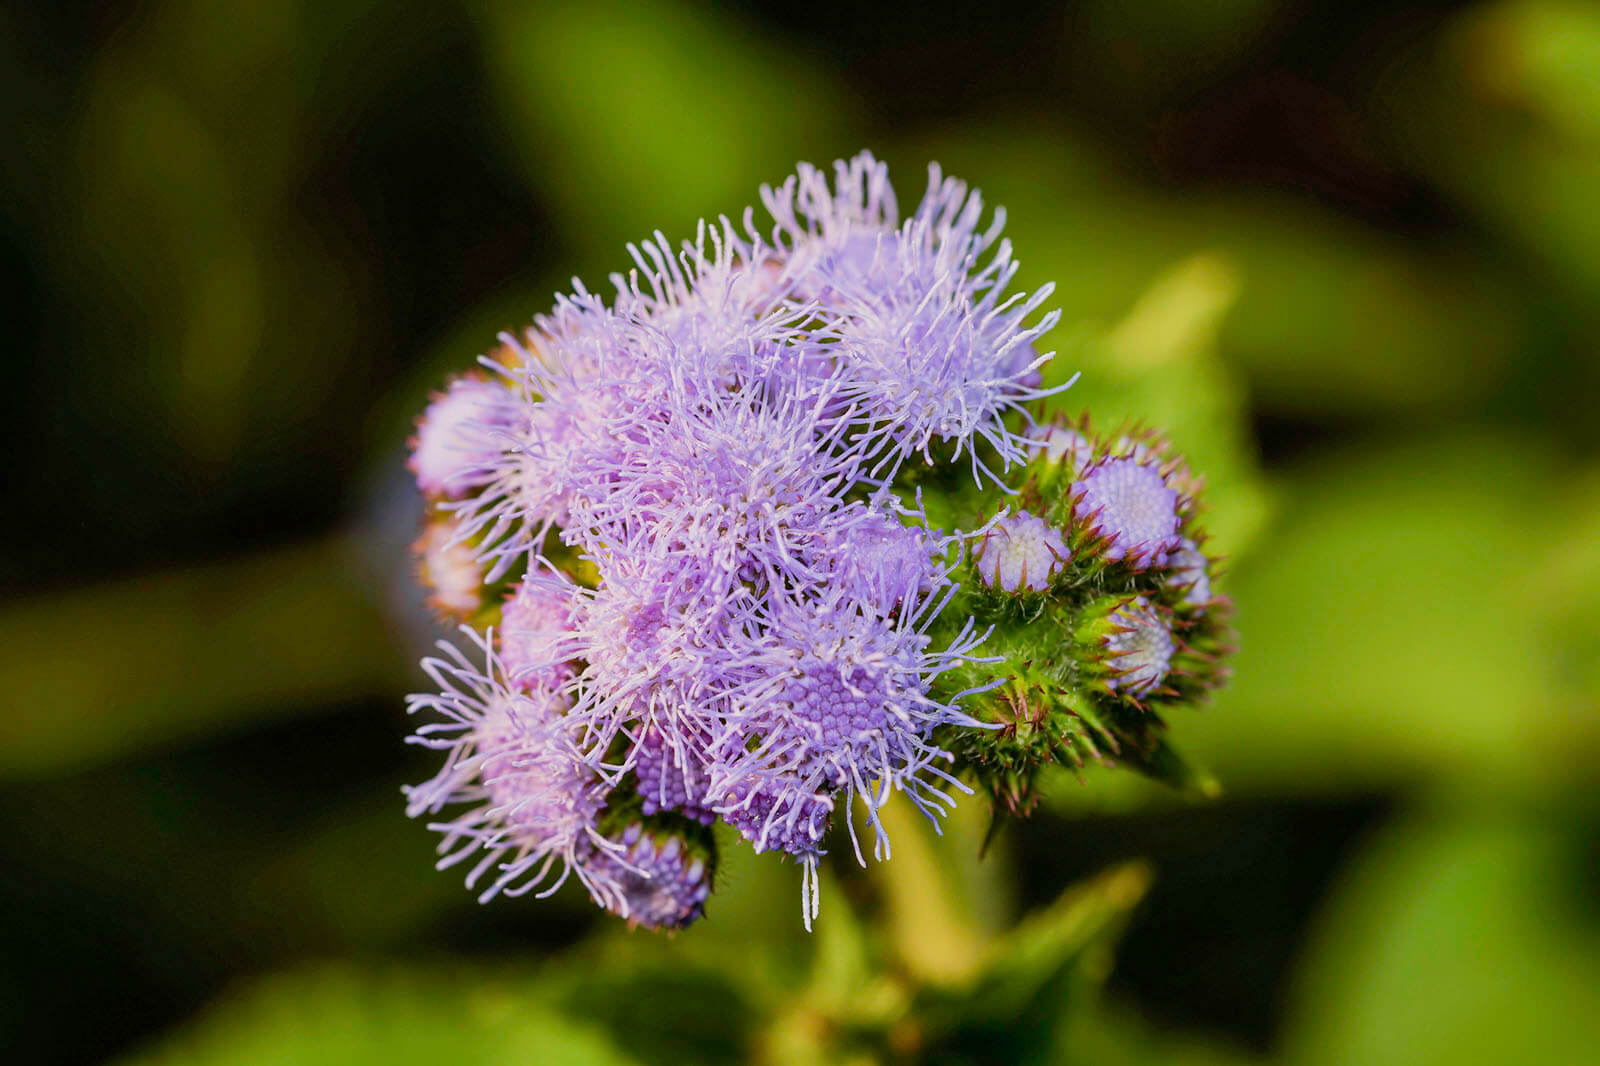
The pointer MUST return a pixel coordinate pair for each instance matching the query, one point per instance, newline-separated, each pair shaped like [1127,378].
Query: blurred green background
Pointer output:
[1347,253]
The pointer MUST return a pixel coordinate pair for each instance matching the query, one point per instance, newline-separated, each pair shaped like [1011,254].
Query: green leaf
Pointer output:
[1498,114]
[188,653]
[660,1008]
[347,1017]
[638,117]
[1013,1007]
[1385,633]
[1165,764]
[1459,937]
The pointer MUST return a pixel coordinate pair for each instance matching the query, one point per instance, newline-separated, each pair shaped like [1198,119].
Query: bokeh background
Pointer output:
[1348,253]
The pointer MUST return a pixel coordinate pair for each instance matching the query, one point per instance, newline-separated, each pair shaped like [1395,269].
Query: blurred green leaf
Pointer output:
[657,1005]
[1112,1035]
[1497,112]
[1140,54]
[346,1017]
[363,875]
[1159,367]
[1458,938]
[1384,634]
[1565,581]
[186,230]
[1014,1007]
[1542,56]
[934,937]
[1332,317]
[113,670]
[638,117]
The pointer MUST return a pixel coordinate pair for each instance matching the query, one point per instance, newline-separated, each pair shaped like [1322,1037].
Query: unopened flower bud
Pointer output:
[658,873]
[1130,645]
[457,441]
[449,569]
[1187,575]
[1021,551]
[1127,506]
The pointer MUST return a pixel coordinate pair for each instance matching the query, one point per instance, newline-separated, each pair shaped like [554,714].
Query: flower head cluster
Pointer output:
[512,758]
[689,515]
[720,544]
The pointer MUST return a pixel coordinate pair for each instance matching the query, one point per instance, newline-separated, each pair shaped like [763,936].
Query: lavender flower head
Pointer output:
[694,518]
[449,569]
[848,710]
[673,777]
[933,349]
[456,436]
[510,758]
[534,622]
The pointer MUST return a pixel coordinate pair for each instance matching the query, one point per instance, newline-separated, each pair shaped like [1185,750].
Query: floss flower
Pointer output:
[723,540]
[456,436]
[510,758]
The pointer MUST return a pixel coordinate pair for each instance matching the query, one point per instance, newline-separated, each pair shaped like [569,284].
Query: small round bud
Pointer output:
[1139,647]
[1128,504]
[659,878]
[1021,551]
[456,443]
[450,569]
[1187,575]
[1062,445]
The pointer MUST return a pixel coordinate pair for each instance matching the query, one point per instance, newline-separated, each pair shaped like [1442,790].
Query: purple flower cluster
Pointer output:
[721,593]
